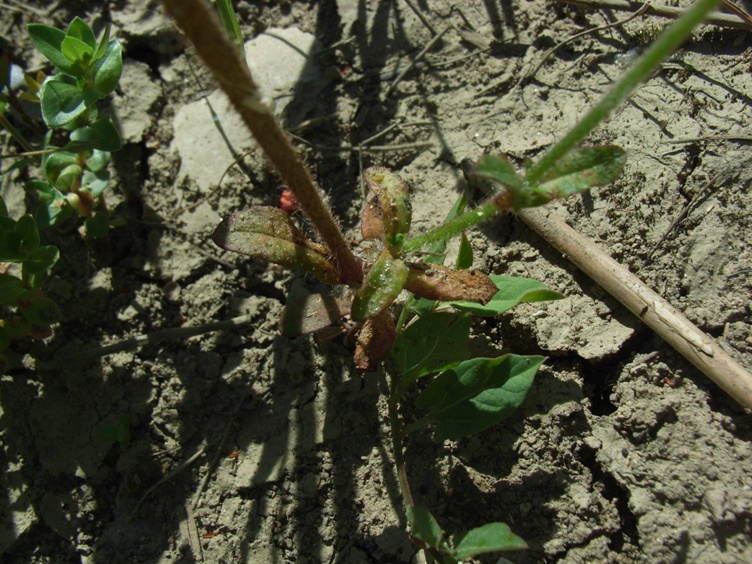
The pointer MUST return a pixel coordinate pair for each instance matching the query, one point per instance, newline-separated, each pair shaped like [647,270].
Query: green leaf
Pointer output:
[104,41]
[41,260]
[512,291]
[98,159]
[54,206]
[381,286]
[267,233]
[477,394]
[582,169]
[49,41]
[465,254]
[424,526]
[432,343]
[12,290]
[81,31]
[102,135]
[41,310]
[500,170]
[77,52]
[95,182]
[107,70]
[29,233]
[491,537]
[575,172]
[54,163]
[62,102]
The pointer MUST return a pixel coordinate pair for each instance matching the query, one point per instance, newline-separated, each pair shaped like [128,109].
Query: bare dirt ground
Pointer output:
[245,446]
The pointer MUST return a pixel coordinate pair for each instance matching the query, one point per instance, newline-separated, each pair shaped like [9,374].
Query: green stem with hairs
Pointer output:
[483,212]
[666,44]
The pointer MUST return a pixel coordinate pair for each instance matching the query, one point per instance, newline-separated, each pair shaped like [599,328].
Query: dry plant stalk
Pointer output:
[202,26]
[670,324]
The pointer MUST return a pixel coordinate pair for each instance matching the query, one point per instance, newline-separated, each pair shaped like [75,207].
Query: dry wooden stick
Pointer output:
[671,325]
[724,20]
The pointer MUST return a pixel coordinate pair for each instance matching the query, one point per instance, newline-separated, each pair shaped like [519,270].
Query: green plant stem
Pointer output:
[666,44]
[483,212]
[201,26]
[397,436]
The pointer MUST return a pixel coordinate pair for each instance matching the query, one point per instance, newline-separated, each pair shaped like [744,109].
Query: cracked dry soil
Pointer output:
[248,447]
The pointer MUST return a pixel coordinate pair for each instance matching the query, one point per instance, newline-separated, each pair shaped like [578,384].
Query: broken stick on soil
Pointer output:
[670,324]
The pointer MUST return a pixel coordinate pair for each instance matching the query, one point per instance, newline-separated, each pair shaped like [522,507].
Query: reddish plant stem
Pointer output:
[202,27]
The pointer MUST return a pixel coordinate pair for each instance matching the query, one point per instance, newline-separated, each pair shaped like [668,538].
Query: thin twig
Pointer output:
[421,17]
[657,10]
[727,137]
[553,49]
[417,58]
[682,214]
[193,538]
[174,472]
[172,334]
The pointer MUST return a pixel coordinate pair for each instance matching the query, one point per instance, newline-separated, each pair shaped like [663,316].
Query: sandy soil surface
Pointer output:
[244,446]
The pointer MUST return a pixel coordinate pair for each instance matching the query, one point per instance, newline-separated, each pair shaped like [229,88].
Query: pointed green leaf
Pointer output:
[99,159]
[491,537]
[582,169]
[500,170]
[311,313]
[267,233]
[432,343]
[465,254]
[512,291]
[381,286]
[424,526]
[101,135]
[79,29]
[104,41]
[107,70]
[49,41]
[477,393]
[78,53]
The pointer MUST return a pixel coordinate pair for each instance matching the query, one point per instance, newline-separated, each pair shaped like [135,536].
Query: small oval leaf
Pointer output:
[267,233]
[381,286]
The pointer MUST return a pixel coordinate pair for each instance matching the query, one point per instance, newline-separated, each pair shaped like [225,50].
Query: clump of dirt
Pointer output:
[244,446]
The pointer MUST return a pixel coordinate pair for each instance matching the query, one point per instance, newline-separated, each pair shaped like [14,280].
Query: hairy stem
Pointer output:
[483,212]
[204,30]
[666,44]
